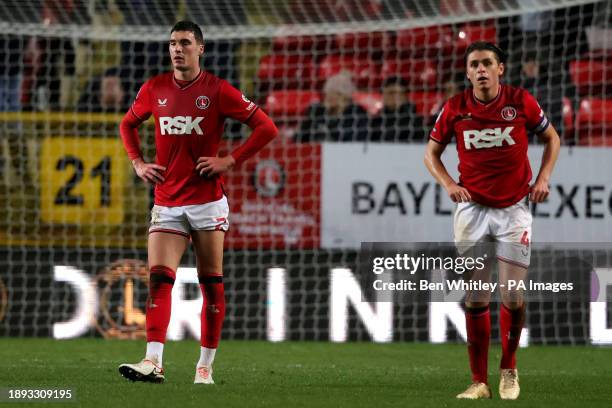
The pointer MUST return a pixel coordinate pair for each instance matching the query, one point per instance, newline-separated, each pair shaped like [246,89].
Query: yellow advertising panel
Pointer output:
[82,181]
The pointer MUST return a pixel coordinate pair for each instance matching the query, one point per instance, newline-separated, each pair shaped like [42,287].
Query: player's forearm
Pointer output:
[129,136]
[438,170]
[550,154]
[264,130]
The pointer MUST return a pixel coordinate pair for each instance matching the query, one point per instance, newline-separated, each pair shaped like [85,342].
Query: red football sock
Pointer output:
[478,325]
[511,324]
[159,302]
[213,310]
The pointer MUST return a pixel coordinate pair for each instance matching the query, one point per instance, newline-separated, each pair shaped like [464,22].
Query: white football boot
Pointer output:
[145,370]
[203,375]
[476,391]
[509,388]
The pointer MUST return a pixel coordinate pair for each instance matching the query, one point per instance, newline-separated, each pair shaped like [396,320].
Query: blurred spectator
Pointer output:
[11,51]
[149,58]
[531,31]
[549,95]
[54,74]
[535,24]
[51,80]
[93,57]
[398,120]
[558,36]
[337,119]
[104,94]
[451,88]
[600,32]
[602,15]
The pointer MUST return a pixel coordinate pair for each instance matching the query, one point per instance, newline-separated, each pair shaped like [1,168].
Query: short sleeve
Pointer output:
[141,107]
[234,104]
[442,131]
[537,121]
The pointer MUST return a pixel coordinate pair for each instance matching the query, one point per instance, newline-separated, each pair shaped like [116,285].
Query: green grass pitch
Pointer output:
[302,374]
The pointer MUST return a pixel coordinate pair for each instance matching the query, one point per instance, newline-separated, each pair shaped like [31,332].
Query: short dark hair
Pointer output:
[395,80]
[111,72]
[485,46]
[531,55]
[187,25]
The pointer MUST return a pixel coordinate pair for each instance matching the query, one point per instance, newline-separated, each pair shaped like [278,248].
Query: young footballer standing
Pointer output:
[490,122]
[190,106]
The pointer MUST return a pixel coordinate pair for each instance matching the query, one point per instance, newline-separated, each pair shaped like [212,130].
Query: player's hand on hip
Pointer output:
[539,191]
[211,166]
[458,194]
[149,172]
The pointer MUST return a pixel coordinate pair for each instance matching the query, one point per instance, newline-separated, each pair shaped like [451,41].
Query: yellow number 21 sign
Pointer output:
[82,181]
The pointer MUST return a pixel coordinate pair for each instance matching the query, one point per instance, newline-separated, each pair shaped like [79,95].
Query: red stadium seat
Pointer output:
[315,11]
[296,43]
[286,71]
[426,102]
[471,32]
[365,72]
[594,120]
[595,141]
[589,76]
[370,101]
[468,33]
[419,73]
[424,42]
[289,104]
[362,43]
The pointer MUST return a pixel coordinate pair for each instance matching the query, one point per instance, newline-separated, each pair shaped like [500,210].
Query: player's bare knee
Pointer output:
[476,305]
[478,297]
[209,270]
[512,299]
[513,304]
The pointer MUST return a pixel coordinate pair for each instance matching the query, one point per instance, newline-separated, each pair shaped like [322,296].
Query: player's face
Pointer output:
[185,51]
[483,70]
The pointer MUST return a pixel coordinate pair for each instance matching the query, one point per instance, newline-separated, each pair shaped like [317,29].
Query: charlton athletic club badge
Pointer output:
[203,102]
[269,178]
[508,113]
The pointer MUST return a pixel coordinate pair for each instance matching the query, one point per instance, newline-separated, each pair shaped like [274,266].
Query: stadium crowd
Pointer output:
[379,87]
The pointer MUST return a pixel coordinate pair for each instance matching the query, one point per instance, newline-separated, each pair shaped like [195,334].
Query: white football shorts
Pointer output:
[509,228]
[184,219]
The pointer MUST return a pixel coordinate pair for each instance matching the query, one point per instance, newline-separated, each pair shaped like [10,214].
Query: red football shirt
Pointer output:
[492,140]
[189,122]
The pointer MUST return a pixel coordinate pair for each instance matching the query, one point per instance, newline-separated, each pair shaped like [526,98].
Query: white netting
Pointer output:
[68,197]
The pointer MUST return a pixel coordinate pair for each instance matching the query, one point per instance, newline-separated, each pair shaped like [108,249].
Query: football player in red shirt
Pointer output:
[490,122]
[190,106]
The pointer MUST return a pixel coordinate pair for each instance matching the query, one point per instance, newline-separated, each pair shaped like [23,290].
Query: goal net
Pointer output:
[74,217]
